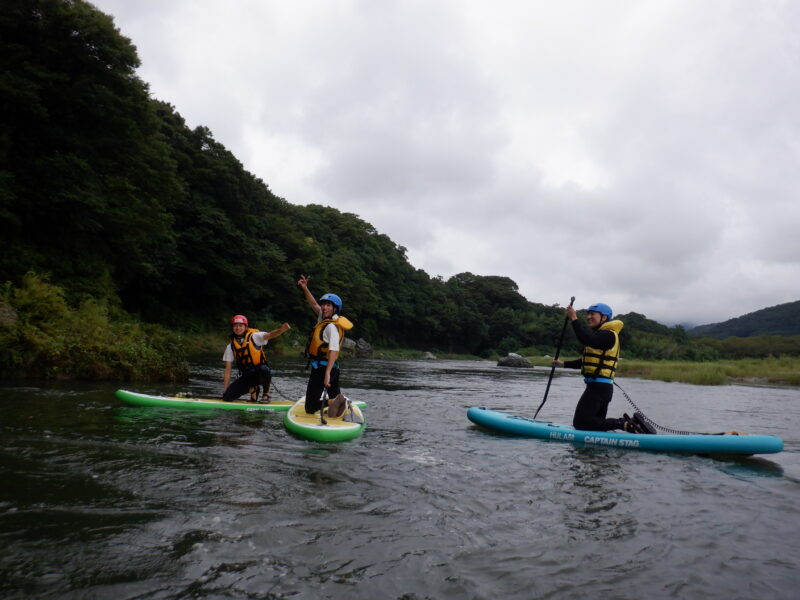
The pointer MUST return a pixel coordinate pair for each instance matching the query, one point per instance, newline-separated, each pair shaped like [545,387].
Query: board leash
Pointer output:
[281,394]
[650,421]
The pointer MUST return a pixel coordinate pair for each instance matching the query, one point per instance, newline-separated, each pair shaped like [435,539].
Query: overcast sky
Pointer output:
[641,153]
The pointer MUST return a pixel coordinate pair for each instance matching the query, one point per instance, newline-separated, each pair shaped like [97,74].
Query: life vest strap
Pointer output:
[317,363]
[597,380]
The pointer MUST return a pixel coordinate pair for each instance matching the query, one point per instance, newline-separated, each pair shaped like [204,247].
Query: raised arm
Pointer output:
[303,284]
[276,332]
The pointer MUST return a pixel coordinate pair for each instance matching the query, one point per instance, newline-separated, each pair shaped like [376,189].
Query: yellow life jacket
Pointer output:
[246,353]
[317,348]
[603,363]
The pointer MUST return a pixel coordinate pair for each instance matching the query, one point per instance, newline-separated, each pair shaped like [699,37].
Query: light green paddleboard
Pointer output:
[191,403]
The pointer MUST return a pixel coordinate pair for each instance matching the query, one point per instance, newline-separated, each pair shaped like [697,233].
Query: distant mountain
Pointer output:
[783,319]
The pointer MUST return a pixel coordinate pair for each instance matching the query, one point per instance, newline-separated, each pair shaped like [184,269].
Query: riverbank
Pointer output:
[783,371]
[96,341]
[293,343]
[752,371]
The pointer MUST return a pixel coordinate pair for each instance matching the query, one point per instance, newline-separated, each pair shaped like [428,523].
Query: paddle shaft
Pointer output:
[323,405]
[553,368]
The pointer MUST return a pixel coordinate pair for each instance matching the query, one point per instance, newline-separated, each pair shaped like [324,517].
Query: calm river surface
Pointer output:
[103,500]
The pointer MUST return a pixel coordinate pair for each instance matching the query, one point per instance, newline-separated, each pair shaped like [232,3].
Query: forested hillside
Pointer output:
[107,194]
[783,319]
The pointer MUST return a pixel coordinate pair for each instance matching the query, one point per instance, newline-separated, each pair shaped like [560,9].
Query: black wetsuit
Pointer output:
[316,384]
[258,375]
[590,413]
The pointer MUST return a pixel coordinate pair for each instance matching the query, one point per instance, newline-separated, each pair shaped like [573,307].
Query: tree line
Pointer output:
[779,320]
[108,195]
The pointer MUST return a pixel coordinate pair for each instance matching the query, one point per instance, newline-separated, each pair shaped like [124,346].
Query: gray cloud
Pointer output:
[642,154]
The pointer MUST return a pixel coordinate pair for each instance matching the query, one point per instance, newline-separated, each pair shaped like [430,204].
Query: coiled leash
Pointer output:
[652,423]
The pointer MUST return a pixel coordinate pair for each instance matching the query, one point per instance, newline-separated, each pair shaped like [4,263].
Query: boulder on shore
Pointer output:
[514,360]
[428,356]
[363,348]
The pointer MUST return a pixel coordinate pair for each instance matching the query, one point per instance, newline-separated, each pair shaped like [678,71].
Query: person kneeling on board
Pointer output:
[323,350]
[246,349]
[598,365]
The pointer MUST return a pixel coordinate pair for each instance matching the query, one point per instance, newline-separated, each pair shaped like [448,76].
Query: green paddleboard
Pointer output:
[191,403]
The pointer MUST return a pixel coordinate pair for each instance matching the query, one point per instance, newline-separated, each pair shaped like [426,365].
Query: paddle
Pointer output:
[324,401]
[553,369]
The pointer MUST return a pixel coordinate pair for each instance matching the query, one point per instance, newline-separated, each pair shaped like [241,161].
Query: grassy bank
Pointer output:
[756,371]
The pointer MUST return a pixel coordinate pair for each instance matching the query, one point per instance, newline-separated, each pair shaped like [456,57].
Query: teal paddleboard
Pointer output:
[692,443]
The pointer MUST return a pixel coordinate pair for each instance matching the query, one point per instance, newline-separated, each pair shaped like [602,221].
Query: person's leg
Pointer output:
[264,376]
[314,389]
[338,403]
[334,389]
[590,413]
[238,387]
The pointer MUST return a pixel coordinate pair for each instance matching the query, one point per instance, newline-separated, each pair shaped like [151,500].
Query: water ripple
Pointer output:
[104,500]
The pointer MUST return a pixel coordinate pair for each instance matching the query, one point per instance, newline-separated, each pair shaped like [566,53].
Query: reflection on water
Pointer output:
[104,500]
[749,466]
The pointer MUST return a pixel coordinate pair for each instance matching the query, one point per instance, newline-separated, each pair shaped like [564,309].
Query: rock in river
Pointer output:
[514,360]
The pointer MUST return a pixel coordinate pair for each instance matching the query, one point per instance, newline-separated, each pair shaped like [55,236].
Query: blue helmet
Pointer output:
[333,299]
[603,309]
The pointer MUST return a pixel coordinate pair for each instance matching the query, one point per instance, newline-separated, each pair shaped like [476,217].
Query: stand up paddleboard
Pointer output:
[190,403]
[692,443]
[311,427]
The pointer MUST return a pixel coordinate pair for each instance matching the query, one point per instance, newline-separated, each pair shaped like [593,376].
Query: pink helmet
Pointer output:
[239,319]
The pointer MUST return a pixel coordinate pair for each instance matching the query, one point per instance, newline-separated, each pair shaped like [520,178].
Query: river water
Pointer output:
[103,500]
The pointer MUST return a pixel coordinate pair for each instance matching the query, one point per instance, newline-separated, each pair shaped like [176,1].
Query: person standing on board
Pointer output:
[323,348]
[246,349]
[600,337]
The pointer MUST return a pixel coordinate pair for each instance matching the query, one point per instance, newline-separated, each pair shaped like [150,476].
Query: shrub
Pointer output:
[95,340]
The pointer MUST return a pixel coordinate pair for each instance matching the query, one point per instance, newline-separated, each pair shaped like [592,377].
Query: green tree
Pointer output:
[84,175]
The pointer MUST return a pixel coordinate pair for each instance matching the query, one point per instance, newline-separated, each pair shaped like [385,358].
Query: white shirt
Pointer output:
[259,339]
[330,335]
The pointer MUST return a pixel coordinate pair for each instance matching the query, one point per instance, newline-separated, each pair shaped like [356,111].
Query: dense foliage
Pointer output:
[43,337]
[108,194]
